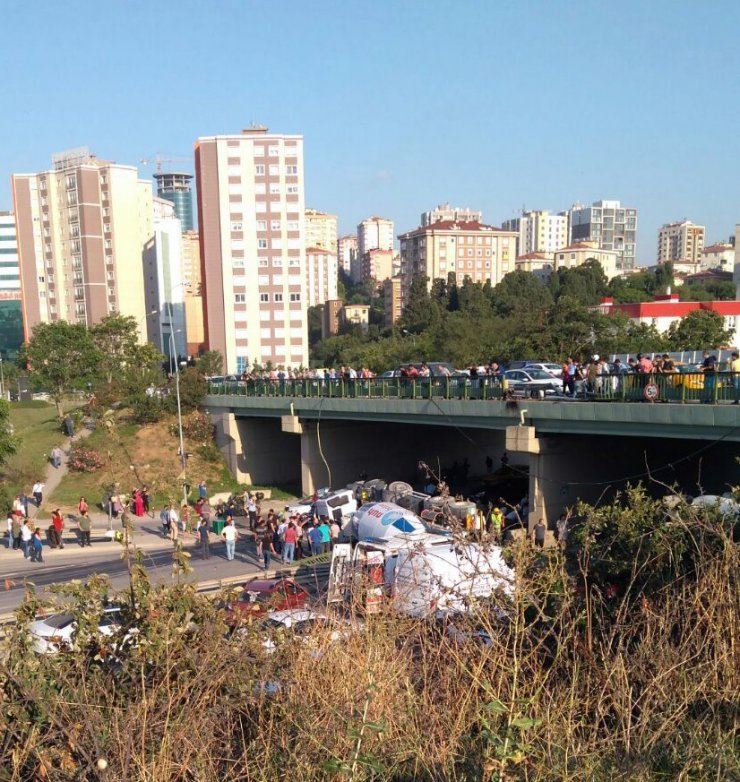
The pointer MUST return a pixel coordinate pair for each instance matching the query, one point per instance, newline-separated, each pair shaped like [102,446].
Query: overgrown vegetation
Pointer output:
[578,682]
[521,317]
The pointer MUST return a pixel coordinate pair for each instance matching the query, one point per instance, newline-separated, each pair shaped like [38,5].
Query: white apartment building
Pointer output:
[347,252]
[681,242]
[374,233]
[539,231]
[251,220]
[321,276]
[11,317]
[609,224]
[82,230]
[165,284]
[454,213]
[320,230]
[718,256]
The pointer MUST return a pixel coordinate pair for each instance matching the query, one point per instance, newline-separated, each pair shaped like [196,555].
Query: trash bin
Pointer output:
[218,525]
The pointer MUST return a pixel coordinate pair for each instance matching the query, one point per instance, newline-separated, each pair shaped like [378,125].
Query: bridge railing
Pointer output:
[680,387]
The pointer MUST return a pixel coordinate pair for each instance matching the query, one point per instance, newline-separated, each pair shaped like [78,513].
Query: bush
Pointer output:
[145,409]
[209,453]
[84,459]
[197,427]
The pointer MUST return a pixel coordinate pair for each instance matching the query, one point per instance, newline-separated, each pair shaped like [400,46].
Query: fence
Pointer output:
[681,387]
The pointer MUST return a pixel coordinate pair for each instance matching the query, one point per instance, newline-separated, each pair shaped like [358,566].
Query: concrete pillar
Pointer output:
[314,474]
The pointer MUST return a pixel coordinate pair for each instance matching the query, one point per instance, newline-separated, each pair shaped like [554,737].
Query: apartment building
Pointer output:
[609,224]
[176,187]
[475,250]
[82,229]
[164,283]
[539,231]
[11,317]
[373,233]
[193,293]
[393,298]
[454,213]
[253,260]
[320,230]
[347,252]
[377,264]
[680,242]
[331,318]
[718,256]
[321,276]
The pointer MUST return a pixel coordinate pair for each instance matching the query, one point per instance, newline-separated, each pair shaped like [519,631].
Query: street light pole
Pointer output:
[183,459]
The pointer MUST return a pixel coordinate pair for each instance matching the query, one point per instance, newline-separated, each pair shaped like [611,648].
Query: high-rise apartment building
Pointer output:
[680,242]
[320,230]
[475,250]
[376,265]
[454,213]
[193,293]
[82,230]
[610,225]
[165,289]
[539,231]
[321,276]
[11,317]
[177,188]
[347,252]
[393,298]
[251,219]
[374,233]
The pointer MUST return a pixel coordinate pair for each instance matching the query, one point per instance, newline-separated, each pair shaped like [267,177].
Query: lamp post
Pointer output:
[183,459]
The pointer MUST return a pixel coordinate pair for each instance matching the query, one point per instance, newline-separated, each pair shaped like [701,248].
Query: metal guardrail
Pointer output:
[681,387]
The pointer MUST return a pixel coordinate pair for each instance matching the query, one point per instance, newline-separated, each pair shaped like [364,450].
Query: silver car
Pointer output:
[534,382]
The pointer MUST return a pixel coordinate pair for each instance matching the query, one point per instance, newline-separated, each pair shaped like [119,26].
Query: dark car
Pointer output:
[262,595]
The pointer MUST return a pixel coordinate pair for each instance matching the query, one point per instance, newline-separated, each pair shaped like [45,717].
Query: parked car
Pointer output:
[305,505]
[436,369]
[553,369]
[262,595]
[534,382]
[55,633]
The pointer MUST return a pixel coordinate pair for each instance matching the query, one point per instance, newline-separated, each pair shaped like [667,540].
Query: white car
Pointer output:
[556,370]
[533,382]
[56,632]
[302,624]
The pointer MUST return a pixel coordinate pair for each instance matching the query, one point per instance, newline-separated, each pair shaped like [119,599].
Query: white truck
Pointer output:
[334,505]
[421,572]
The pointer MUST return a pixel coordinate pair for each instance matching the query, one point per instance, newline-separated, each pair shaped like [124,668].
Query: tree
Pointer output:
[586,283]
[520,292]
[210,363]
[193,388]
[117,339]
[699,330]
[8,443]
[420,312]
[62,358]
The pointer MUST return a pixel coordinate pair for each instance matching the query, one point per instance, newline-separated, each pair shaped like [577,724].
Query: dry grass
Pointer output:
[575,690]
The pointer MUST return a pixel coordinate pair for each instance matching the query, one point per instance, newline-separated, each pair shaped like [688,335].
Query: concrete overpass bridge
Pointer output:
[571,449]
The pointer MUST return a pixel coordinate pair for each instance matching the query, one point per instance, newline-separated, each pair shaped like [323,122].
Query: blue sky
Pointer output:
[494,105]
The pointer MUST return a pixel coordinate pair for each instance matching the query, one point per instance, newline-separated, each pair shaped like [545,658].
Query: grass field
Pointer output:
[38,427]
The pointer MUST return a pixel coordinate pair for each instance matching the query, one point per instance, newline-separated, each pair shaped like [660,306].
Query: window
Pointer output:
[260,188]
[237,225]
[291,170]
[239,298]
[264,298]
[273,151]
[274,170]
[295,296]
[259,170]
[262,263]
[277,298]
[261,225]
[260,206]
[237,263]
[275,225]
[294,262]
[265,332]
[292,189]
[277,262]
[259,151]
[262,244]
[263,279]
[275,188]
[294,225]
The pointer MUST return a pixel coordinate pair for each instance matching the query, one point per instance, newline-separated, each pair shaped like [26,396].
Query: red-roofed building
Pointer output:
[667,309]
[718,256]
[465,248]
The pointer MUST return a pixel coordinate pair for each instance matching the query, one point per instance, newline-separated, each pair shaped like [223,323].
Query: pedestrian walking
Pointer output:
[56,457]
[164,517]
[84,525]
[37,546]
[252,512]
[204,538]
[11,517]
[202,490]
[268,549]
[230,535]
[37,491]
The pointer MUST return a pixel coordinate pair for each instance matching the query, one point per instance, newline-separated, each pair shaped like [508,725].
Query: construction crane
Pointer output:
[158,160]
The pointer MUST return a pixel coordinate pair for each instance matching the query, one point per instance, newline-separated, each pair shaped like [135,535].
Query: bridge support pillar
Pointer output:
[314,472]
[546,498]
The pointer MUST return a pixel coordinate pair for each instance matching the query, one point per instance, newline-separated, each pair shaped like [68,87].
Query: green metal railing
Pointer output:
[719,387]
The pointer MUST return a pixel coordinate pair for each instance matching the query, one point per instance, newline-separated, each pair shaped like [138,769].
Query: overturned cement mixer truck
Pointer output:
[420,569]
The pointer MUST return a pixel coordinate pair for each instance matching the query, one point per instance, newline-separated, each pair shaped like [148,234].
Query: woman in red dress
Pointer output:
[138,503]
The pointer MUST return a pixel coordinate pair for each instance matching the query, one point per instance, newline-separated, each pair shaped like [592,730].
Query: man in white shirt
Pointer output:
[37,492]
[26,535]
[230,535]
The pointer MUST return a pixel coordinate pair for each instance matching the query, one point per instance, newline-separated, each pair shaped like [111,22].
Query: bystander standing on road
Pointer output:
[230,536]
[84,525]
[325,536]
[37,546]
[16,531]
[26,535]
[335,531]
[11,517]
[315,537]
[290,538]
[204,538]
[57,521]
[268,547]
[538,533]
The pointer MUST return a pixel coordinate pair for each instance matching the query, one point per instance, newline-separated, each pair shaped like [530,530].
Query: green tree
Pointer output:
[8,442]
[420,312]
[210,363]
[698,330]
[586,283]
[520,292]
[62,358]
[193,388]
[117,339]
